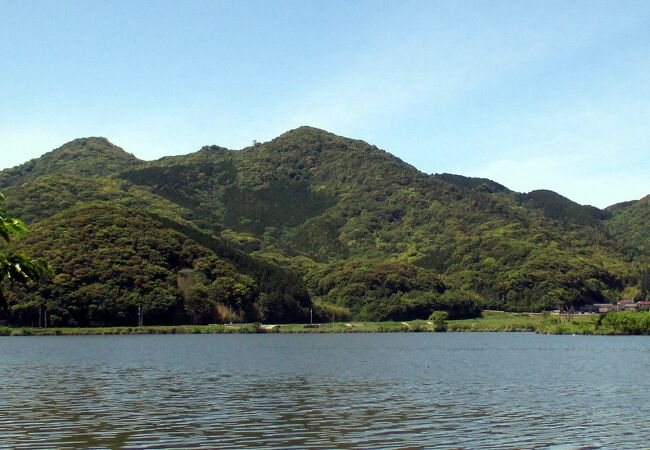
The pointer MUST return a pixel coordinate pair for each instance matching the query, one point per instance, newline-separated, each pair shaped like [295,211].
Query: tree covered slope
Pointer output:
[630,224]
[342,225]
[93,156]
[110,259]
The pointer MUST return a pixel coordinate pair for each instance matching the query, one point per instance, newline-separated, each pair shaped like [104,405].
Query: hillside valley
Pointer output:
[306,221]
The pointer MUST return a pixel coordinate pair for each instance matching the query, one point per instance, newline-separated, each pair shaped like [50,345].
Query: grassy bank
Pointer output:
[497,321]
[490,321]
[612,323]
[338,327]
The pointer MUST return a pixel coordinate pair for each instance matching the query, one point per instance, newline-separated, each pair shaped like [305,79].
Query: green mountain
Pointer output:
[630,224]
[93,156]
[111,259]
[559,208]
[308,220]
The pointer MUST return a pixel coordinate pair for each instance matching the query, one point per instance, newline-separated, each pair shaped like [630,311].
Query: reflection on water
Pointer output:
[322,391]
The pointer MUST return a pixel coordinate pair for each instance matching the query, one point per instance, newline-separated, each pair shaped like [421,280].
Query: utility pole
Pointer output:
[230,313]
[311,316]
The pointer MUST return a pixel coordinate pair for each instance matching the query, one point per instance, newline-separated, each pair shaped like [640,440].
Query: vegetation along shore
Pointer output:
[613,323]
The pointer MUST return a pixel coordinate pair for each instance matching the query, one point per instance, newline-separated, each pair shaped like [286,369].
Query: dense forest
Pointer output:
[307,222]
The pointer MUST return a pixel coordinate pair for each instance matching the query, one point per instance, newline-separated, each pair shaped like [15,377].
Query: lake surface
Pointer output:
[404,390]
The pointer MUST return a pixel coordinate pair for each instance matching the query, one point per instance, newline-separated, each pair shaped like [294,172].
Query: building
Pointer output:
[643,305]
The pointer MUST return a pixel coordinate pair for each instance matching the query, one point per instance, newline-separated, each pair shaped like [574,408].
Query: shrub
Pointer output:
[418,326]
[439,320]
[328,312]
[255,327]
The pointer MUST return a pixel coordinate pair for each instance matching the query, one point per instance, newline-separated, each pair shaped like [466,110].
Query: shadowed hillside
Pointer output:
[559,208]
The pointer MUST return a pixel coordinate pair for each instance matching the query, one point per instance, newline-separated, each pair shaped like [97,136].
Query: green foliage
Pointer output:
[626,322]
[458,304]
[282,307]
[618,322]
[328,312]
[417,326]
[630,224]
[375,290]
[439,320]
[14,266]
[47,195]
[257,233]
[477,184]
[497,321]
[312,194]
[90,157]
[110,260]
[644,283]
[562,209]
[251,328]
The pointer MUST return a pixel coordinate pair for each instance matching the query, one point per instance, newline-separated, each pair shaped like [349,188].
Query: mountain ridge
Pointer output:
[95,156]
[392,241]
[82,144]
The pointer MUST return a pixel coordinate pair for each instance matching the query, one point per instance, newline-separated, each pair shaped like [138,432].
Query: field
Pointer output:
[489,321]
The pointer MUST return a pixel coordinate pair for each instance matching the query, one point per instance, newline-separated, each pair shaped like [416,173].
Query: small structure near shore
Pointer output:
[622,305]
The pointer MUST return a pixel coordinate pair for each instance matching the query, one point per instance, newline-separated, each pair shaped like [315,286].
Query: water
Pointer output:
[444,390]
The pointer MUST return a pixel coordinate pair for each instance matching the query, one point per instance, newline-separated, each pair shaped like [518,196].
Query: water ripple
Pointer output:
[407,391]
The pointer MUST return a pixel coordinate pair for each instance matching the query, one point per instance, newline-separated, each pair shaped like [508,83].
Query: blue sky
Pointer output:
[533,94]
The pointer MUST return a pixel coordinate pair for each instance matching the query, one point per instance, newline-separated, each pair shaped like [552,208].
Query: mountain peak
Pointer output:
[87,156]
[90,140]
[368,233]
[474,183]
[94,144]
[306,135]
[307,129]
[558,207]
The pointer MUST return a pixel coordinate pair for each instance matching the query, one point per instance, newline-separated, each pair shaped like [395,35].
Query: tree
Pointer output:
[439,320]
[15,266]
[645,282]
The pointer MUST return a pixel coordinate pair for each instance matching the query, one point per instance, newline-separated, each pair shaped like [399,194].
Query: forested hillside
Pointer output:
[630,224]
[110,259]
[307,220]
[93,156]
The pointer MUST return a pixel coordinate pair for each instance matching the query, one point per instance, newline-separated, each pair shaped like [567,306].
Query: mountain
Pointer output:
[93,156]
[350,229]
[630,224]
[560,208]
[111,259]
[477,184]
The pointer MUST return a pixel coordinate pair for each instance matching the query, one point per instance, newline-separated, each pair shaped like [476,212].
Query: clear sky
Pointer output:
[533,94]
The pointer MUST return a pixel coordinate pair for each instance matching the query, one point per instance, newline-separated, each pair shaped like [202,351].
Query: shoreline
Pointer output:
[489,321]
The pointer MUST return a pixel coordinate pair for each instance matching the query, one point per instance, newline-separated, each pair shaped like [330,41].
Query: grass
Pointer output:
[489,321]
[497,321]
[613,323]
[337,327]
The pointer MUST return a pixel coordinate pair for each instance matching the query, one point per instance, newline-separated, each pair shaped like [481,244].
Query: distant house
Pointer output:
[622,305]
[643,305]
[607,307]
